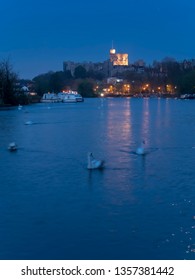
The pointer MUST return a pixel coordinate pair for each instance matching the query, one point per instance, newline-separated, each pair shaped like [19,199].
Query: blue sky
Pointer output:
[37,36]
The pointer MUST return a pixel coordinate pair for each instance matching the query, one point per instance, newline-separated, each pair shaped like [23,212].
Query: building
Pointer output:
[118,62]
[118,59]
[89,66]
[114,66]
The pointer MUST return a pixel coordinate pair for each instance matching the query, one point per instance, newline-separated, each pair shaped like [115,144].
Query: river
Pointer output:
[137,207]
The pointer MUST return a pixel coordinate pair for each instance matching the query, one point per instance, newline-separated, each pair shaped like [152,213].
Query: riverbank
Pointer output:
[5,106]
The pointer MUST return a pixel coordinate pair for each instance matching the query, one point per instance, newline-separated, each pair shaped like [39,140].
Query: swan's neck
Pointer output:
[89,161]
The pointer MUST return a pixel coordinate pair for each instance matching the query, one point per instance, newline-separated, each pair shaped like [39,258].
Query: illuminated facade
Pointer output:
[121,59]
[118,59]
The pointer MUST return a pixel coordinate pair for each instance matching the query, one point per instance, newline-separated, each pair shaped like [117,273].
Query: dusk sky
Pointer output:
[37,36]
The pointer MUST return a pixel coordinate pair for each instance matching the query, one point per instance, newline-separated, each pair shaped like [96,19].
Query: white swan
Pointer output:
[28,122]
[19,107]
[94,163]
[12,147]
[140,150]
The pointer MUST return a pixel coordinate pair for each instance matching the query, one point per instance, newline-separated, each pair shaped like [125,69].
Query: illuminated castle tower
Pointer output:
[112,54]
[120,59]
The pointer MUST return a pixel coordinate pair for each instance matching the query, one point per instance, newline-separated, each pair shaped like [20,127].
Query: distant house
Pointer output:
[25,89]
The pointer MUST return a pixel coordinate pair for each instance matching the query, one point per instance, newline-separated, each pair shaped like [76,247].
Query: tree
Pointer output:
[52,81]
[57,81]
[187,83]
[85,88]
[80,72]
[96,75]
[60,80]
[8,80]
[42,83]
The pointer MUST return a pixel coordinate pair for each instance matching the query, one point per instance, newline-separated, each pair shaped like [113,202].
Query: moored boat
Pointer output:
[188,96]
[65,97]
[79,98]
[50,98]
[70,97]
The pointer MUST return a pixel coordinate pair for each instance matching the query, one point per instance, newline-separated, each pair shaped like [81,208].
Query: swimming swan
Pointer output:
[28,122]
[94,163]
[12,147]
[140,150]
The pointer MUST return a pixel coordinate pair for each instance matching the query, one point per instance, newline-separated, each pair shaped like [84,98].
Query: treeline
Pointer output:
[167,76]
[82,80]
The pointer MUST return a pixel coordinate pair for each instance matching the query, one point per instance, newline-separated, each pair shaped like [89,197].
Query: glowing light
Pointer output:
[112,51]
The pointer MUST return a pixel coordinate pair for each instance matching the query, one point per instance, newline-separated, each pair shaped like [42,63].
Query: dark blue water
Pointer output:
[52,207]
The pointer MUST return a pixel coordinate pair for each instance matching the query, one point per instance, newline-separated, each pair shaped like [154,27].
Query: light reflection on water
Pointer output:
[52,207]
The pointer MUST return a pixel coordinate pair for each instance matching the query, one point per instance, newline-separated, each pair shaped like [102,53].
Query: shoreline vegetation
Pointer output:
[165,79]
[164,96]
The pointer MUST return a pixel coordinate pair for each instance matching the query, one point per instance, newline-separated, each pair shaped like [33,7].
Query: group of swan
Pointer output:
[98,164]
[92,162]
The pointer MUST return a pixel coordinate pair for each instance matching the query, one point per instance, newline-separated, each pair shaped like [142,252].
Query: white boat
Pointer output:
[50,98]
[79,98]
[187,96]
[66,97]
[70,97]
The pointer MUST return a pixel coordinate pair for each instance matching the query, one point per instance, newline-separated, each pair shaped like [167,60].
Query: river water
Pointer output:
[137,207]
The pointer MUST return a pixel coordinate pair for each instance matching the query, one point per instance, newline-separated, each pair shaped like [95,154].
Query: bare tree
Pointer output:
[7,83]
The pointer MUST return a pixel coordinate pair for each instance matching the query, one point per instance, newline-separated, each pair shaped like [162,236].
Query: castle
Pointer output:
[117,63]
